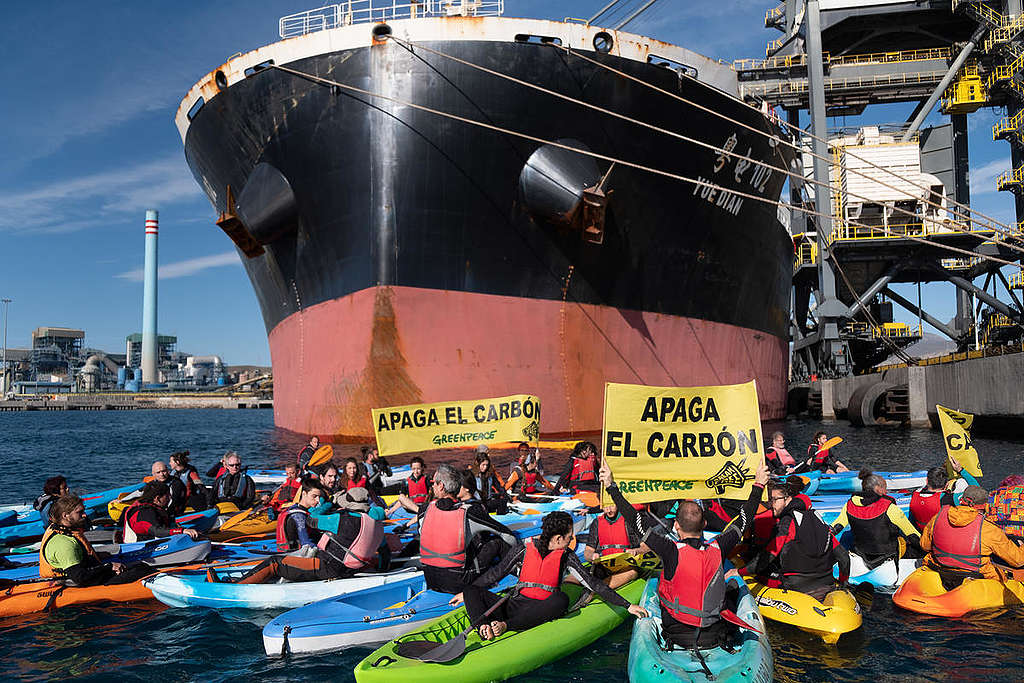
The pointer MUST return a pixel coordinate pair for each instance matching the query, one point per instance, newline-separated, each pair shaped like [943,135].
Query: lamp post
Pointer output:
[3,383]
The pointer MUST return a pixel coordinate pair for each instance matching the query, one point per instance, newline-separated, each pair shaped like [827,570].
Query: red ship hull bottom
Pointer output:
[385,346]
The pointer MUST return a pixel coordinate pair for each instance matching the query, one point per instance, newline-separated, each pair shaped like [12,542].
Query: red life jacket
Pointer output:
[583,470]
[283,544]
[417,489]
[356,484]
[820,457]
[957,547]
[696,592]
[130,535]
[530,482]
[924,505]
[443,537]
[612,537]
[285,493]
[540,576]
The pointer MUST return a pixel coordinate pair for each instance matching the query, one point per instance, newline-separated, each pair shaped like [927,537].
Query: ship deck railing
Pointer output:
[926,227]
[367,11]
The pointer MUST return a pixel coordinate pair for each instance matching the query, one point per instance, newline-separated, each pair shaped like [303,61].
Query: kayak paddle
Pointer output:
[234,520]
[834,441]
[322,455]
[439,653]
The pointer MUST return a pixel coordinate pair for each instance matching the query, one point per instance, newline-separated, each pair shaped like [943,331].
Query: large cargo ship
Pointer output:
[418,227]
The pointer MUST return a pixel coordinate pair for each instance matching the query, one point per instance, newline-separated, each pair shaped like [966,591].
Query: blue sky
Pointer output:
[90,91]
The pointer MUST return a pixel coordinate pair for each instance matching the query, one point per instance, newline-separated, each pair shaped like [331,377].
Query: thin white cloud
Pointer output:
[983,178]
[186,268]
[103,197]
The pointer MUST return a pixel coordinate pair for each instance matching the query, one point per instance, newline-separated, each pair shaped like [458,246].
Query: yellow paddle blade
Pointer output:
[226,508]
[233,521]
[834,441]
[322,455]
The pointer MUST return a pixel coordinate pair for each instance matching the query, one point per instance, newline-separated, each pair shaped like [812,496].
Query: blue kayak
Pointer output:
[750,660]
[31,531]
[159,552]
[849,482]
[94,503]
[8,517]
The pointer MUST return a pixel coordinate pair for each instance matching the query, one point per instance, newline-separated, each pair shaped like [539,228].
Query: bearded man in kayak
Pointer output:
[961,542]
[801,553]
[580,472]
[234,485]
[65,553]
[458,541]
[877,524]
[179,493]
[148,518]
[53,488]
[376,468]
[542,563]
[777,458]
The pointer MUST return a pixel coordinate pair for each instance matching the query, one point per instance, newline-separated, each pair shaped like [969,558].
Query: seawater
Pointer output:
[150,642]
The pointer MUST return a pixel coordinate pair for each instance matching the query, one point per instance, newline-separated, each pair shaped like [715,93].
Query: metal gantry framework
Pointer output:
[839,60]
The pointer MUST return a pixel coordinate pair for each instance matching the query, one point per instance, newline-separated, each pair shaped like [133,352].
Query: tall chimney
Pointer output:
[149,340]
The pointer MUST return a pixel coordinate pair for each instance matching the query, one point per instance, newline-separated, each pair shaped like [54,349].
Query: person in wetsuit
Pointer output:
[234,485]
[307,451]
[490,487]
[877,524]
[376,468]
[53,488]
[580,473]
[187,474]
[148,517]
[179,492]
[541,564]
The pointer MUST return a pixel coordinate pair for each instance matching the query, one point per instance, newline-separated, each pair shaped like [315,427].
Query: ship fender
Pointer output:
[552,182]
[866,402]
[266,204]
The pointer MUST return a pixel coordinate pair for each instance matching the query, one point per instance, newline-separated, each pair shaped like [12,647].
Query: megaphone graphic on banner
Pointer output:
[731,475]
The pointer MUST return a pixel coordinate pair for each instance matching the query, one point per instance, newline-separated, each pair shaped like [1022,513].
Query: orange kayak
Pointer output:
[924,593]
[37,595]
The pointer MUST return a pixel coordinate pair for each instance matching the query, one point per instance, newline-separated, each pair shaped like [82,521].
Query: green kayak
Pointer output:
[750,660]
[511,654]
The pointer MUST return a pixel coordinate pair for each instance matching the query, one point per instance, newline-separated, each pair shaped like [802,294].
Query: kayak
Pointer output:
[511,654]
[564,504]
[369,617]
[44,595]
[849,482]
[191,589]
[201,521]
[886,577]
[94,503]
[160,552]
[830,618]
[750,660]
[923,592]
[8,517]
[277,477]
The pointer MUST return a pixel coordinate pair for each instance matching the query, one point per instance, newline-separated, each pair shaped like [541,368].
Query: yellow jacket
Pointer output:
[993,542]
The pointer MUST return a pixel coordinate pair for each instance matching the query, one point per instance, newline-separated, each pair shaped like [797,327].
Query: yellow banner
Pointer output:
[667,442]
[956,434]
[410,429]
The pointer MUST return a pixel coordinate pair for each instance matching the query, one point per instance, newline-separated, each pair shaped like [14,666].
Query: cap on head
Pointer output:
[974,495]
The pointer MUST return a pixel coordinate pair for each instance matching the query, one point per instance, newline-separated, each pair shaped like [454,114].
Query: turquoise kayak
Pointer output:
[849,482]
[649,662]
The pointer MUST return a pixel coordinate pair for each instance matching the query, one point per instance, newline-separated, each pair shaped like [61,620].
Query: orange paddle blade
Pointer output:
[322,455]
[588,498]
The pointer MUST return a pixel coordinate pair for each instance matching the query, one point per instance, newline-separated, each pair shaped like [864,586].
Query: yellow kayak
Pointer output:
[830,618]
[257,523]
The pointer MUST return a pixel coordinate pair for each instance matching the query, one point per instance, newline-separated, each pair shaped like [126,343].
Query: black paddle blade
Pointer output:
[429,651]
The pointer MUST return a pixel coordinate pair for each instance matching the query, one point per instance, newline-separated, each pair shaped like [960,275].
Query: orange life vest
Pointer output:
[540,576]
[612,537]
[47,570]
[285,493]
[417,489]
[957,547]
[443,537]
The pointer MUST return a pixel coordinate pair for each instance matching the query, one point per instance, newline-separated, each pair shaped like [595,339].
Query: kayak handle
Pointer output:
[390,660]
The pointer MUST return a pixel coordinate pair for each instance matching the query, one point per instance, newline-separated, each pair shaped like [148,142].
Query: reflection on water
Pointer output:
[147,642]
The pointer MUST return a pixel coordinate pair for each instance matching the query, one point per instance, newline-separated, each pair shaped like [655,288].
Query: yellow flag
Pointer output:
[668,442]
[956,434]
[428,426]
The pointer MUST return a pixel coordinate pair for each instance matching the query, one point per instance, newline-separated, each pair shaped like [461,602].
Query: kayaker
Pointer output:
[878,525]
[306,452]
[490,487]
[353,476]
[285,493]
[148,517]
[234,486]
[541,564]
[457,541]
[926,502]
[524,454]
[526,480]
[961,542]
[580,473]
[822,459]
[417,485]
[65,553]
[610,534]
[801,553]
[778,459]
[1006,507]
[53,488]
[187,474]
[696,610]
[376,468]
[179,493]
[330,481]
[218,467]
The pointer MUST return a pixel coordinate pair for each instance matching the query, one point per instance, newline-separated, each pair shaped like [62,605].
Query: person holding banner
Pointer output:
[580,472]
[926,503]
[458,541]
[803,550]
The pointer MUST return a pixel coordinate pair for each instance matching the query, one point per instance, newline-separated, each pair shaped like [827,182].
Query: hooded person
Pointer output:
[961,542]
